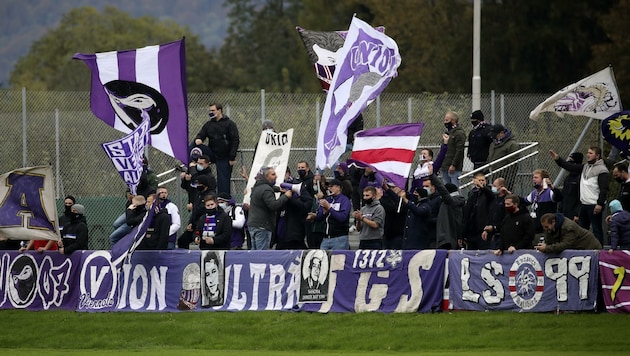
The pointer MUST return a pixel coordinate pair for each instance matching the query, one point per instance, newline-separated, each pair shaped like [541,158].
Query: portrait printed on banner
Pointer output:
[314,279]
[212,278]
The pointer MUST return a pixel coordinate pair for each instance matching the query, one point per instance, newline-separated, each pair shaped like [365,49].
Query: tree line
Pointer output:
[526,46]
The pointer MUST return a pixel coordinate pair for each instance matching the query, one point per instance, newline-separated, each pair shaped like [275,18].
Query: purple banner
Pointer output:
[149,80]
[126,154]
[527,280]
[613,268]
[385,281]
[39,281]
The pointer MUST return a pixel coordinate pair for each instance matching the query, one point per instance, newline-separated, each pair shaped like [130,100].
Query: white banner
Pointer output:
[272,151]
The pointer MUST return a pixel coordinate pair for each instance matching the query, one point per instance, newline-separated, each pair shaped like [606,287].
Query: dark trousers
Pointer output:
[393,242]
[314,240]
[589,219]
[224,174]
[376,244]
[477,243]
[291,245]
[185,239]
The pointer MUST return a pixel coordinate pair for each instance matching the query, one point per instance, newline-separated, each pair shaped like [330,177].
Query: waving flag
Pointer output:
[322,49]
[27,209]
[126,153]
[368,61]
[124,248]
[150,80]
[616,130]
[389,150]
[595,96]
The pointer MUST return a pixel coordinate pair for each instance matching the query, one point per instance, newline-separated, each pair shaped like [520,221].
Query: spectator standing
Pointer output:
[476,214]
[497,212]
[594,180]
[370,221]
[621,176]
[619,227]
[394,227]
[198,168]
[454,159]
[213,230]
[504,144]
[75,231]
[223,140]
[263,207]
[570,204]
[334,210]
[449,223]
[479,139]
[171,209]
[416,235]
[64,218]
[543,199]
[202,184]
[517,228]
[239,222]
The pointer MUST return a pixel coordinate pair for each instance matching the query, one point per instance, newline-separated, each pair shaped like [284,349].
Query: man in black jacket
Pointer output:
[75,232]
[223,140]
[517,228]
[479,139]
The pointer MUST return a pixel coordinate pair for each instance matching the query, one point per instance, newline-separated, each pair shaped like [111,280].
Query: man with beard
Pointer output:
[621,176]
[263,207]
[369,221]
[594,180]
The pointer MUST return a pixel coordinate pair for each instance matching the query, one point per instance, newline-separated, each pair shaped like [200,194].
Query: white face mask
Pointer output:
[223,206]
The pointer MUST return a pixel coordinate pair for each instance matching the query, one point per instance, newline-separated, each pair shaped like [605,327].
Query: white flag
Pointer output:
[595,96]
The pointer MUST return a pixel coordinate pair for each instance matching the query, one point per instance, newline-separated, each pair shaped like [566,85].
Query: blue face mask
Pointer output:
[200,167]
[495,190]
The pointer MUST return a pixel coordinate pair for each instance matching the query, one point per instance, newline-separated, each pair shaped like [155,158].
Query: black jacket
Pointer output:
[223,138]
[517,230]
[222,232]
[295,213]
[477,210]
[157,235]
[75,235]
[479,141]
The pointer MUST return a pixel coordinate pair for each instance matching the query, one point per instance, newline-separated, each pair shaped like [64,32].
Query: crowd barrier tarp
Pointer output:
[182,280]
[526,280]
[613,269]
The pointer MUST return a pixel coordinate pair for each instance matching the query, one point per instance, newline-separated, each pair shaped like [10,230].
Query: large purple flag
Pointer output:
[126,154]
[124,248]
[151,80]
[368,61]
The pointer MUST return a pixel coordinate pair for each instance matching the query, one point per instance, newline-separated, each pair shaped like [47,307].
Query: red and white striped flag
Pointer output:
[390,150]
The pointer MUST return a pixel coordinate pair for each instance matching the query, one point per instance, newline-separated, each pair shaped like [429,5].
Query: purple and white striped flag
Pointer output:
[126,154]
[367,62]
[123,249]
[151,80]
[390,150]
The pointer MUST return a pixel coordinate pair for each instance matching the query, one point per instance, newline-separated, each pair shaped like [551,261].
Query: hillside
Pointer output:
[26,21]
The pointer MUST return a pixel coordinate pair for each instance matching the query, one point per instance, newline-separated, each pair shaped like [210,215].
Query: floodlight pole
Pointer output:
[476,79]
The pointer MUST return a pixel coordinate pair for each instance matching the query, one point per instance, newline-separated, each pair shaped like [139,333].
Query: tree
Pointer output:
[49,64]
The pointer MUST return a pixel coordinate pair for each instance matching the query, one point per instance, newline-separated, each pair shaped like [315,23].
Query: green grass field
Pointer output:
[287,333]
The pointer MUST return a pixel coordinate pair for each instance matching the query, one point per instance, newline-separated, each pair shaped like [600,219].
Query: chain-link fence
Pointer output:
[43,128]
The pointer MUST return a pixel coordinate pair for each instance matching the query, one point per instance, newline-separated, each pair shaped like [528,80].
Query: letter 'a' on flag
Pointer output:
[390,150]
[149,80]
[126,153]
[322,49]
[616,130]
[28,210]
[595,96]
[367,62]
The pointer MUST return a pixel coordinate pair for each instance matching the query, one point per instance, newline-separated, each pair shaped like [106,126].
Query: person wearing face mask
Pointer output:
[239,222]
[621,176]
[213,230]
[479,139]
[165,205]
[75,232]
[454,159]
[504,144]
[426,160]
[416,234]
[68,202]
[198,168]
[342,174]
[201,183]
[564,234]
[449,222]
[543,199]
[370,221]
[517,228]
[497,211]
[594,181]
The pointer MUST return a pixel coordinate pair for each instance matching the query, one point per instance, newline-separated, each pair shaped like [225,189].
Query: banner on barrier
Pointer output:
[526,280]
[613,268]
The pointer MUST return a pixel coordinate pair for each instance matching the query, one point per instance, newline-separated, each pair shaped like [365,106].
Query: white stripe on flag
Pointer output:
[107,63]
[376,142]
[392,167]
[147,69]
[148,72]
